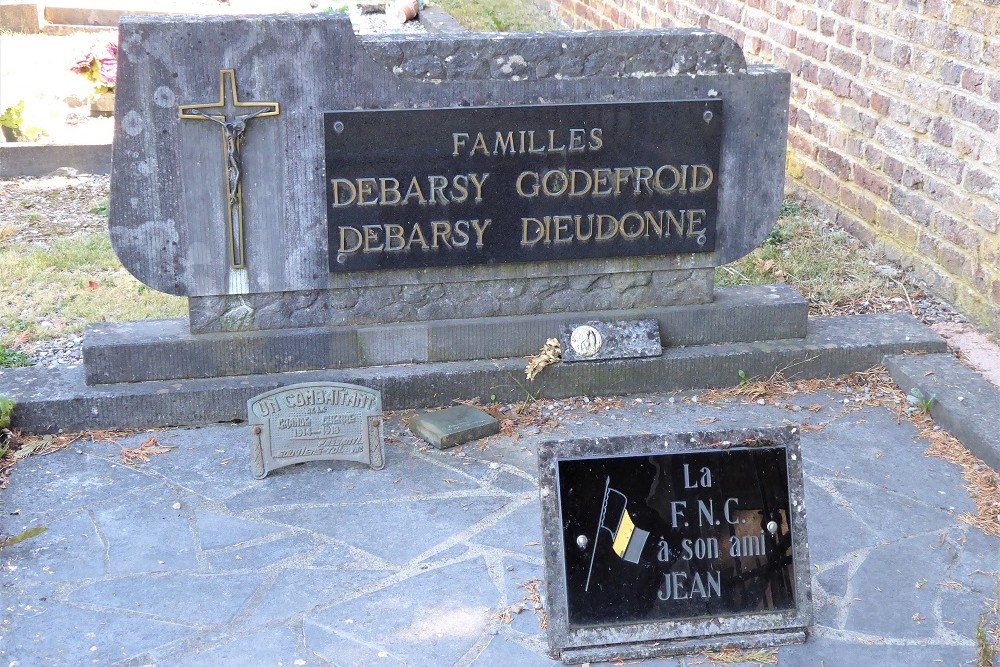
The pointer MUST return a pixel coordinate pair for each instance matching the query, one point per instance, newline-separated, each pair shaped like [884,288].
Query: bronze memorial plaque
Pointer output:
[410,188]
[315,421]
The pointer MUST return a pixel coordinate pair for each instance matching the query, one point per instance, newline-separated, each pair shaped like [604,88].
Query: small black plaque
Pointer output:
[674,543]
[676,536]
[444,187]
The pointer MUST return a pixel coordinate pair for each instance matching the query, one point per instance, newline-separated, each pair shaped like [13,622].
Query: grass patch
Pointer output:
[56,291]
[834,271]
[12,359]
[499,15]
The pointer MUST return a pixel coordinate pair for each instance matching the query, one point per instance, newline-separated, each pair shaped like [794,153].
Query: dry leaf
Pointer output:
[551,353]
[142,452]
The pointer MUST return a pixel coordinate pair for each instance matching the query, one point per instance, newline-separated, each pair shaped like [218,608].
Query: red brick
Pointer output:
[812,177]
[841,86]
[845,60]
[943,131]
[860,94]
[987,218]
[879,103]
[965,44]
[801,143]
[970,110]
[848,198]
[867,210]
[873,155]
[893,168]
[811,47]
[781,34]
[972,80]
[835,162]
[863,42]
[830,187]
[982,183]
[882,47]
[810,19]
[870,181]
[827,26]
[956,232]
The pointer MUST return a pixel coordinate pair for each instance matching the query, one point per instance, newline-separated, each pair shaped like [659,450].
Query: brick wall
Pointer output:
[894,126]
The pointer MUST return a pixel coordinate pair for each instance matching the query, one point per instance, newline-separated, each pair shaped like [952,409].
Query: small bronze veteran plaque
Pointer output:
[315,421]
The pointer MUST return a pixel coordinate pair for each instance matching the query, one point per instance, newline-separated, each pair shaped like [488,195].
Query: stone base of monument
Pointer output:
[665,648]
[152,374]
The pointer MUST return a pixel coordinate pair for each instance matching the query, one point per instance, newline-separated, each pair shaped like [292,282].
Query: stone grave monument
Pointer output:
[416,214]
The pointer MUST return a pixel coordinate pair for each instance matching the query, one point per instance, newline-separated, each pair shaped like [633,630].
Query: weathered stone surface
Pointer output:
[963,402]
[165,349]
[461,292]
[454,426]
[596,340]
[49,400]
[172,237]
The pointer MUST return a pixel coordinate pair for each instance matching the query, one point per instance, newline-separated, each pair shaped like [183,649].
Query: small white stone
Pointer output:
[176,506]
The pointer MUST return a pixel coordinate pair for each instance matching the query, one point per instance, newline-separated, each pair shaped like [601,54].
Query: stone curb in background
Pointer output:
[964,404]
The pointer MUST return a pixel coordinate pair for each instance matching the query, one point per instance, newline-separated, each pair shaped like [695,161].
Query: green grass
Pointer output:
[833,270]
[499,15]
[12,358]
[57,291]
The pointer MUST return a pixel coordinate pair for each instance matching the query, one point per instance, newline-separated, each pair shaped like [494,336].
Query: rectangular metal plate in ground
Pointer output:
[596,340]
[454,426]
[443,187]
[315,421]
[674,539]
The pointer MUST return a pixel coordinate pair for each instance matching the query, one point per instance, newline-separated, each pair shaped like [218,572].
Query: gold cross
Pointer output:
[232,116]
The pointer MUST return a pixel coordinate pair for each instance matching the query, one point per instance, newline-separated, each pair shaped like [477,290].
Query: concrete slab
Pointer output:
[167,350]
[898,579]
[48,401]
[454,426]
[27,159]
[964,403]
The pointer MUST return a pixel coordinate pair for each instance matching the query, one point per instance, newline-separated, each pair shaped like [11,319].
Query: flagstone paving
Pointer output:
[188,560]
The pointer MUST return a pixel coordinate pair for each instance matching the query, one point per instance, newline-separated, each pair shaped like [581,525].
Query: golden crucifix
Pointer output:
[232,116]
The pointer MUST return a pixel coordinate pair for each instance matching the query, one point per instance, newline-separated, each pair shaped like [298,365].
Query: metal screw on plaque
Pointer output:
[708,115]
[586,340]
[772,527]
[582,541]
[338,127]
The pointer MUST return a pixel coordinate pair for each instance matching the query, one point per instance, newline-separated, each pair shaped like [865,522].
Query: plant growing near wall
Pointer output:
[14,126]
[6,409]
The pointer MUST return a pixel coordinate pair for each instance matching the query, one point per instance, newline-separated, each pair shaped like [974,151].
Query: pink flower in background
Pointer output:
[99,64]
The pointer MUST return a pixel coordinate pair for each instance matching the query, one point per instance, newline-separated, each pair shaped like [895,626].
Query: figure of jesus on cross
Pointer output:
[232,117]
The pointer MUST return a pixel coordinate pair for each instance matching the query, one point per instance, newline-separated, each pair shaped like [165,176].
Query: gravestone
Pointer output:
[532,175]
[675,543]
[336,208]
